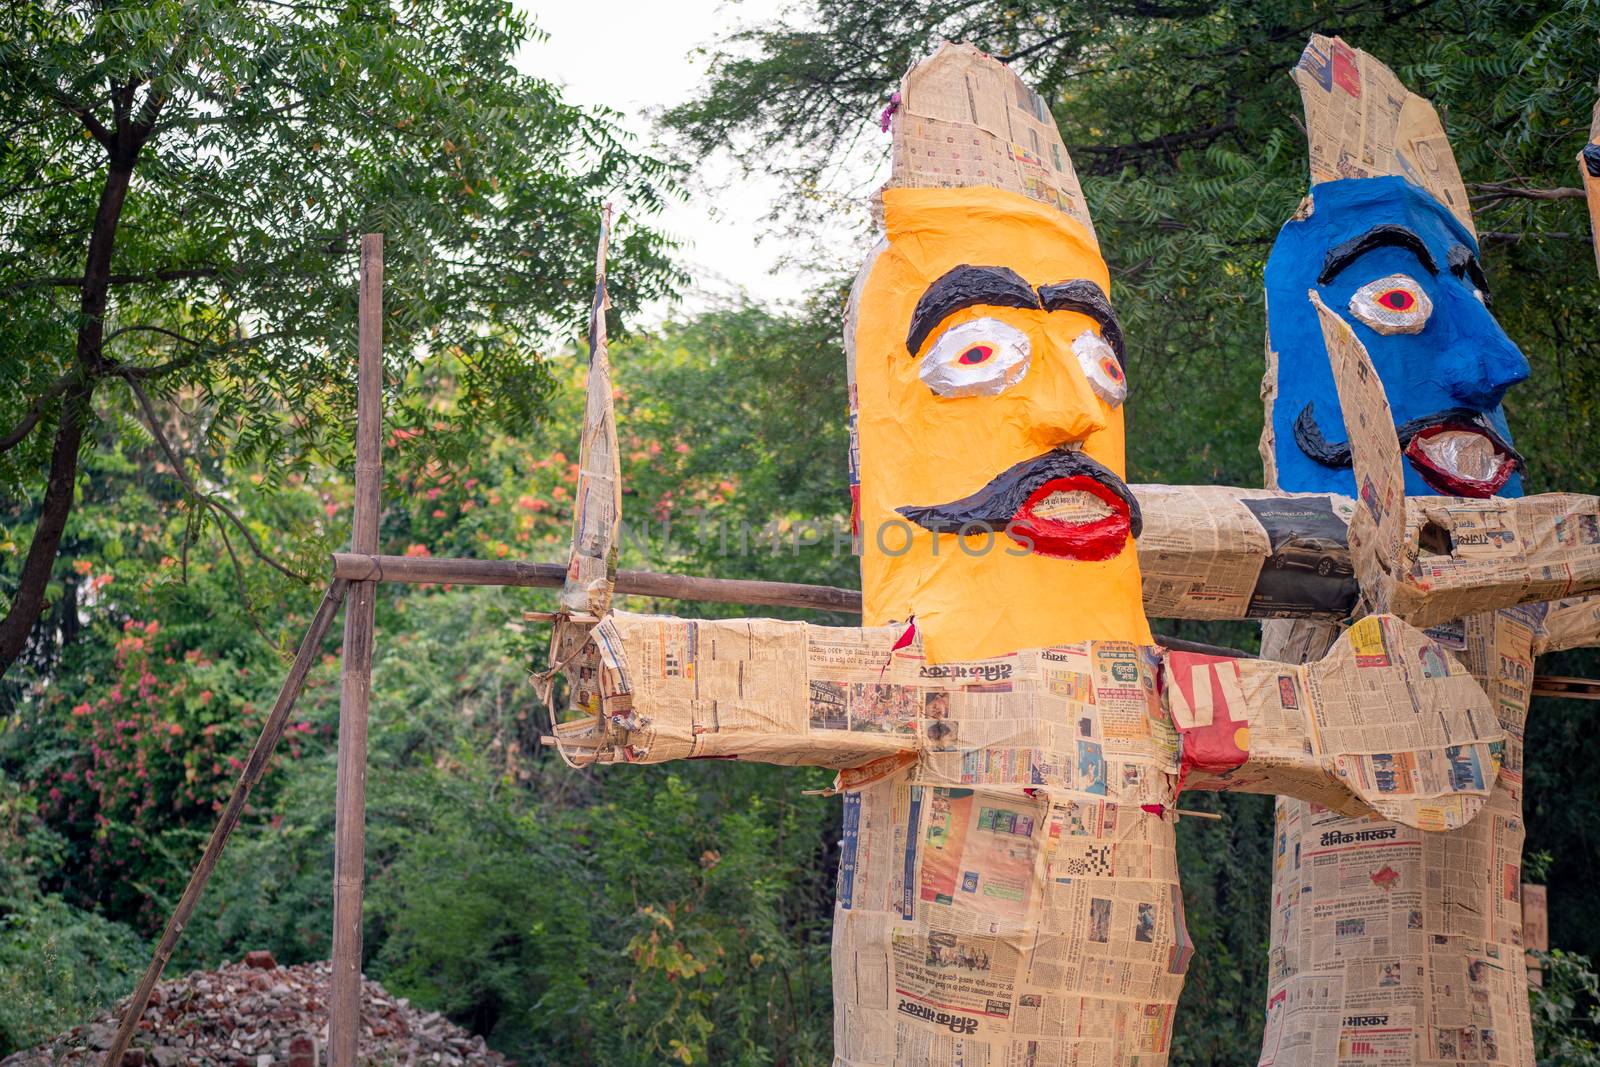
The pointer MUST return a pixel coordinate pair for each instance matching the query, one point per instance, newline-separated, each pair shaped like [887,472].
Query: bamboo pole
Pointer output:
[432,570]
[1556,685]
[350,844]
[254,768]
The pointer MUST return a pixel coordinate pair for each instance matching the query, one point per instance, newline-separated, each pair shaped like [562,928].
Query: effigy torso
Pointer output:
[1396,945]
[1028,911]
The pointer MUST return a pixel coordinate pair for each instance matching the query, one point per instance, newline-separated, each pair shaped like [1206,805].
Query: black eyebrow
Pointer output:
[963,287]
[1463,264]
[1083,295]
[1389,234]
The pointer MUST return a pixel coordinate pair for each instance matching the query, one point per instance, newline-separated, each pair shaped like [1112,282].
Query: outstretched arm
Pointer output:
[1387,723]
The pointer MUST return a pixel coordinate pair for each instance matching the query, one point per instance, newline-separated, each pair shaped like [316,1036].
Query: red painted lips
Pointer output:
[1061,504]
[1457,458]
[1072,518]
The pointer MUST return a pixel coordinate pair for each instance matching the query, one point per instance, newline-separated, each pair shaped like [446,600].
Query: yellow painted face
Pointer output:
[989,389]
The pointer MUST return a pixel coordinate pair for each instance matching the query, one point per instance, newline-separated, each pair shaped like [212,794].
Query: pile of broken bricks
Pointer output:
[257,1014]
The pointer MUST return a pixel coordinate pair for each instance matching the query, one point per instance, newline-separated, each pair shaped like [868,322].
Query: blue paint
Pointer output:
[1460,359]
[908,884]
[847,850]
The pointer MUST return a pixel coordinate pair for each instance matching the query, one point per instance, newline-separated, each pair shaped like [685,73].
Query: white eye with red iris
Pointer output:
[983,357]
[1101,366]
[1395,304]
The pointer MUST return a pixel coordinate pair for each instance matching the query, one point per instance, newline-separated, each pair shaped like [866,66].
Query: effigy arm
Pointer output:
[1220,552]
[1570,623]
[654,688]
[1386,724]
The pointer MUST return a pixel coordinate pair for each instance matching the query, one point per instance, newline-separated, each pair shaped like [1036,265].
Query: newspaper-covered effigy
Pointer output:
[1009,892]
[1390,946]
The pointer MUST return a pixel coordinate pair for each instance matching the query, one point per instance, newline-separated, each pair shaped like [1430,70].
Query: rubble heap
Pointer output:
[257,1014]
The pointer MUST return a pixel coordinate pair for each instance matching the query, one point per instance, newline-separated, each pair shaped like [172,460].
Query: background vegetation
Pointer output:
[675,914]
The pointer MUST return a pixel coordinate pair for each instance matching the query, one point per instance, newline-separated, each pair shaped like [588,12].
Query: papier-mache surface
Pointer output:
[1216,552]
[1387,723]
[1401,945]
[1572,622]
[597,509]
[1219,552]
[1008,887]
[1362,122]
[917,448]
[965,120]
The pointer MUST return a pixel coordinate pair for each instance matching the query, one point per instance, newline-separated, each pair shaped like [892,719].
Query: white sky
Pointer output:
[634,55]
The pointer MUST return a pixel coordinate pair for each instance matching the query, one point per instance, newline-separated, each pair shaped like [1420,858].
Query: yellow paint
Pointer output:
[918,448]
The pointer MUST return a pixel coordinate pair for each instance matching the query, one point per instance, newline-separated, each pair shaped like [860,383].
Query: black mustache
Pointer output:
[1308,435]
[996,503]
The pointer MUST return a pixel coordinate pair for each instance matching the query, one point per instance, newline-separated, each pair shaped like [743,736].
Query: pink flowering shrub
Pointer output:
[150,746]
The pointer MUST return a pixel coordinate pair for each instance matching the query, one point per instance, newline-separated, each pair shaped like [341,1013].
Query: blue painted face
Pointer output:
[1404,273]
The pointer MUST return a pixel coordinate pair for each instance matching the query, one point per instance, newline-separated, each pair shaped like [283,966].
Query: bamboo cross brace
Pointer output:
[527,574]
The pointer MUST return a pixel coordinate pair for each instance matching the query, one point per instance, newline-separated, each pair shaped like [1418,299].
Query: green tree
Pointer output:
[182,186]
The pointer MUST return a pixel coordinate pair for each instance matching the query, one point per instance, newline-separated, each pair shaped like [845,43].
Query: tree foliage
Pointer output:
[182,188]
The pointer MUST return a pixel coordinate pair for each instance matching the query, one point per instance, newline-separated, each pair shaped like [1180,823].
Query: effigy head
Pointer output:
[1385,238]
[988,383]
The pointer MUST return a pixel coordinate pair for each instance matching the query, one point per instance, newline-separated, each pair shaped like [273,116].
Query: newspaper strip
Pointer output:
[965,120]
[1391,946]
[597,509]
[1378,528]
[1535,929]
[585,595]
[1362,122]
